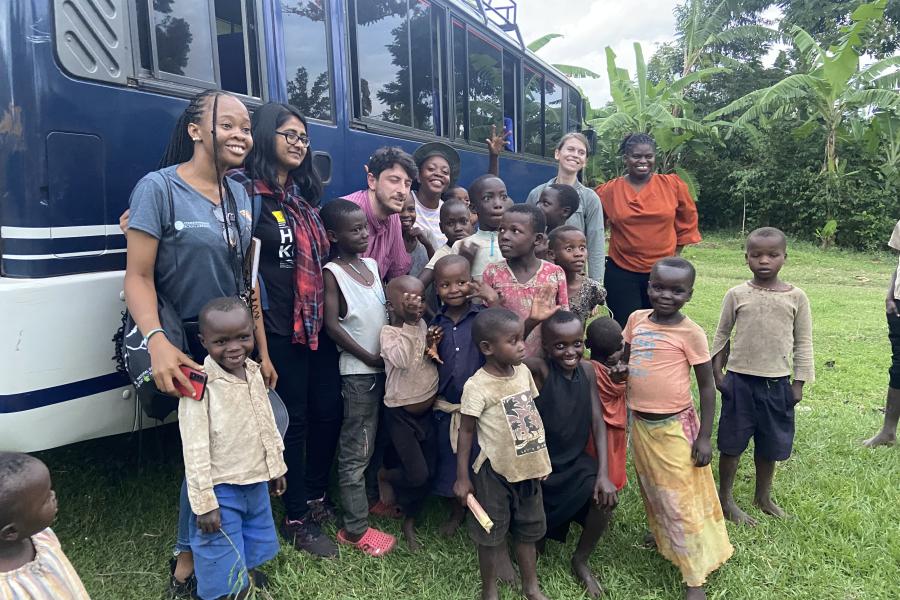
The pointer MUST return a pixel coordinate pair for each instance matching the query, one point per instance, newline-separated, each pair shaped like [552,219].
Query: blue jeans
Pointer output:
[246,540]
[185,516]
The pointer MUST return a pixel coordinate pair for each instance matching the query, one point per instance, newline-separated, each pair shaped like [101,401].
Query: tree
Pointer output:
[833,89]
[660,109]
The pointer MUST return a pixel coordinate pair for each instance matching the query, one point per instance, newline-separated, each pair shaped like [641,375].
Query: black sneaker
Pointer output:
[321,510]
[181,589]
[306,535]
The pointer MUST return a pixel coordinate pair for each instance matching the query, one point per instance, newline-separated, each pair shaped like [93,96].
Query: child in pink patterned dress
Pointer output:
[530,287]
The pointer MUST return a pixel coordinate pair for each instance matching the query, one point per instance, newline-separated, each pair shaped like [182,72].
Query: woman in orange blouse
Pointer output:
[649,216]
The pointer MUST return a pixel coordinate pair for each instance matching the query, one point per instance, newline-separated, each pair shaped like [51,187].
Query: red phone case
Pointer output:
[198,382]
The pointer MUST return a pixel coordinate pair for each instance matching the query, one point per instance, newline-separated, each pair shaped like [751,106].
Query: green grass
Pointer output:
[117,522]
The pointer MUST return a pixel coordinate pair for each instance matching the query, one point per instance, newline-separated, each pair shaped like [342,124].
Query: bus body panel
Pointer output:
[71,151]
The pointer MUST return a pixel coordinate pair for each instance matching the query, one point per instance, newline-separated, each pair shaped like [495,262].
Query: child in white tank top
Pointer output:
[354,315]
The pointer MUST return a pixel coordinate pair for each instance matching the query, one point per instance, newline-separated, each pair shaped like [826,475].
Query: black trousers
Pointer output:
[309,383]
[626,291]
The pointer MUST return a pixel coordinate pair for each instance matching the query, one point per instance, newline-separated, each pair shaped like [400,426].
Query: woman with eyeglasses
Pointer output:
[285,190]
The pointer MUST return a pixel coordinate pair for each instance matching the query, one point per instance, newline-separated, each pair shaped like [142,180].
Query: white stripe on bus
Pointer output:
[46,233]
[62,254]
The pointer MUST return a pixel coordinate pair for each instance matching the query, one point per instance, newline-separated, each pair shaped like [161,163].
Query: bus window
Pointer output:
[235,36]
[510,86]
[175,43]
[553,115]
[532,132]
[395,83]
[573,118]
[182,39]
[306,63]
[461,89]
[485,87]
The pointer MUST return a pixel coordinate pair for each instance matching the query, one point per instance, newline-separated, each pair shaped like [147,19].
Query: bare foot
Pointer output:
[490,592]
[883,438]
[769,507]
[448,528]
[409,534]
[734,514]
[385,490]
[583,574]
[694,593]
[535,594]
[505,570]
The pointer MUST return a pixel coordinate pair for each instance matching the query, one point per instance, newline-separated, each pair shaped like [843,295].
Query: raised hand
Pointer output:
[479,289]
[497,143]
[432,338]
[413,306]
[544,304]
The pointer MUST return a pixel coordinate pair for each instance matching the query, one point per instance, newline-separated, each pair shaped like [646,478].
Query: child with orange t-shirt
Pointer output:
[604,340]
[670,446]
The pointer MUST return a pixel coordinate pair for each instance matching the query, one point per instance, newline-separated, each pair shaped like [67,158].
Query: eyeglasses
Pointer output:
[294,138]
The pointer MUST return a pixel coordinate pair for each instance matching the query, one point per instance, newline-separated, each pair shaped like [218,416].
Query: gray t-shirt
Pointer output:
[207,267]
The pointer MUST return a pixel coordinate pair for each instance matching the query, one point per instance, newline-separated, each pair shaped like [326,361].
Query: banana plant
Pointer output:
[832,89]
[660,109]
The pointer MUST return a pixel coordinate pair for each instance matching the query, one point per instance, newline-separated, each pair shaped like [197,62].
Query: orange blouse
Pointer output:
[646,226]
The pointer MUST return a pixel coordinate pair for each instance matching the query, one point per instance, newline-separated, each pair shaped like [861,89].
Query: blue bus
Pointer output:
[92,88]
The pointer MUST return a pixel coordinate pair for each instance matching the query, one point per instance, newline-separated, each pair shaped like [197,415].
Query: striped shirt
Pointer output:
[50,576]
[385,239]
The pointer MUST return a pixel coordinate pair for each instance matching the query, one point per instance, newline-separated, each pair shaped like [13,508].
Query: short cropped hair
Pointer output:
[560,317]
[538,220]
[678,263]
[767,232]
[491,322]
[476,186]
[568,197]
[223,304]
[335,211]
[556,232]
[450,204]
[448,193]
[386,157]
[604,336]
[445,262]
[12,466]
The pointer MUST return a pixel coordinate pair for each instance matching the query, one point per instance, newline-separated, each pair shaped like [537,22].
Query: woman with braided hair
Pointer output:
[188,232]
[649,216]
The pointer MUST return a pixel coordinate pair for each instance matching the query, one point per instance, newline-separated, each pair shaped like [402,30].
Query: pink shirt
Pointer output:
[518,297]
[659,369]
[385,239]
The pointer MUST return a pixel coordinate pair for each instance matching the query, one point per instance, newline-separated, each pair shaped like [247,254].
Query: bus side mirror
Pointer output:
[322,164]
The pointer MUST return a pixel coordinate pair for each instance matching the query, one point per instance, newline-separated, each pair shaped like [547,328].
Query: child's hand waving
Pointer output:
[479,289]
[544,304]
[618,372]
[432,338]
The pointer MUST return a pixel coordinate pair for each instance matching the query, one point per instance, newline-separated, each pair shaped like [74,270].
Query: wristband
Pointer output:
[153,332]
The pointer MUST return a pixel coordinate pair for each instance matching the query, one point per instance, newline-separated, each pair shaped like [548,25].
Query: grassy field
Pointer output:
[117,518]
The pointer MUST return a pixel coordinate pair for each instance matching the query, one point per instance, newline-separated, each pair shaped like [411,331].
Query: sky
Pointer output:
[591,25]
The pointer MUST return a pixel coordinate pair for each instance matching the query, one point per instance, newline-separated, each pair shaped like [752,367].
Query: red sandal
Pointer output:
[373,542]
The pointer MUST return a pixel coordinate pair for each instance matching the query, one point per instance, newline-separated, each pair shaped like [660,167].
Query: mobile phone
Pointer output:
[198,383]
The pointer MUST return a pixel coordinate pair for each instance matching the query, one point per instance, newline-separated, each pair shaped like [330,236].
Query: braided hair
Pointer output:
[635,139]
[181,147]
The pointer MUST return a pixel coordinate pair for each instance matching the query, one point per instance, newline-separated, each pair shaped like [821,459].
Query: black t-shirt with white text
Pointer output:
[276,265]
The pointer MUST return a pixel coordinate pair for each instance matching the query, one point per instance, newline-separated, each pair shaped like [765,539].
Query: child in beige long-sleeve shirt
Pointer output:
[232,457]
[410,390]
[772,339]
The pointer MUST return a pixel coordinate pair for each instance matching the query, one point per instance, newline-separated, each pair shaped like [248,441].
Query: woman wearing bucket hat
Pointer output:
[438,166]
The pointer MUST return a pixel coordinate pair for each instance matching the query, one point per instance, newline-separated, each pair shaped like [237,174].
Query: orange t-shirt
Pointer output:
[646,226]
[659,367]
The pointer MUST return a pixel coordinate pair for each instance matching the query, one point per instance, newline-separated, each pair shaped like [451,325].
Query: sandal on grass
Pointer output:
[390,511]
[373,542]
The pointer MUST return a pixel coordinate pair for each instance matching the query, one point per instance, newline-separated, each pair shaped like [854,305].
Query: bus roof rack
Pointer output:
[501,13]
